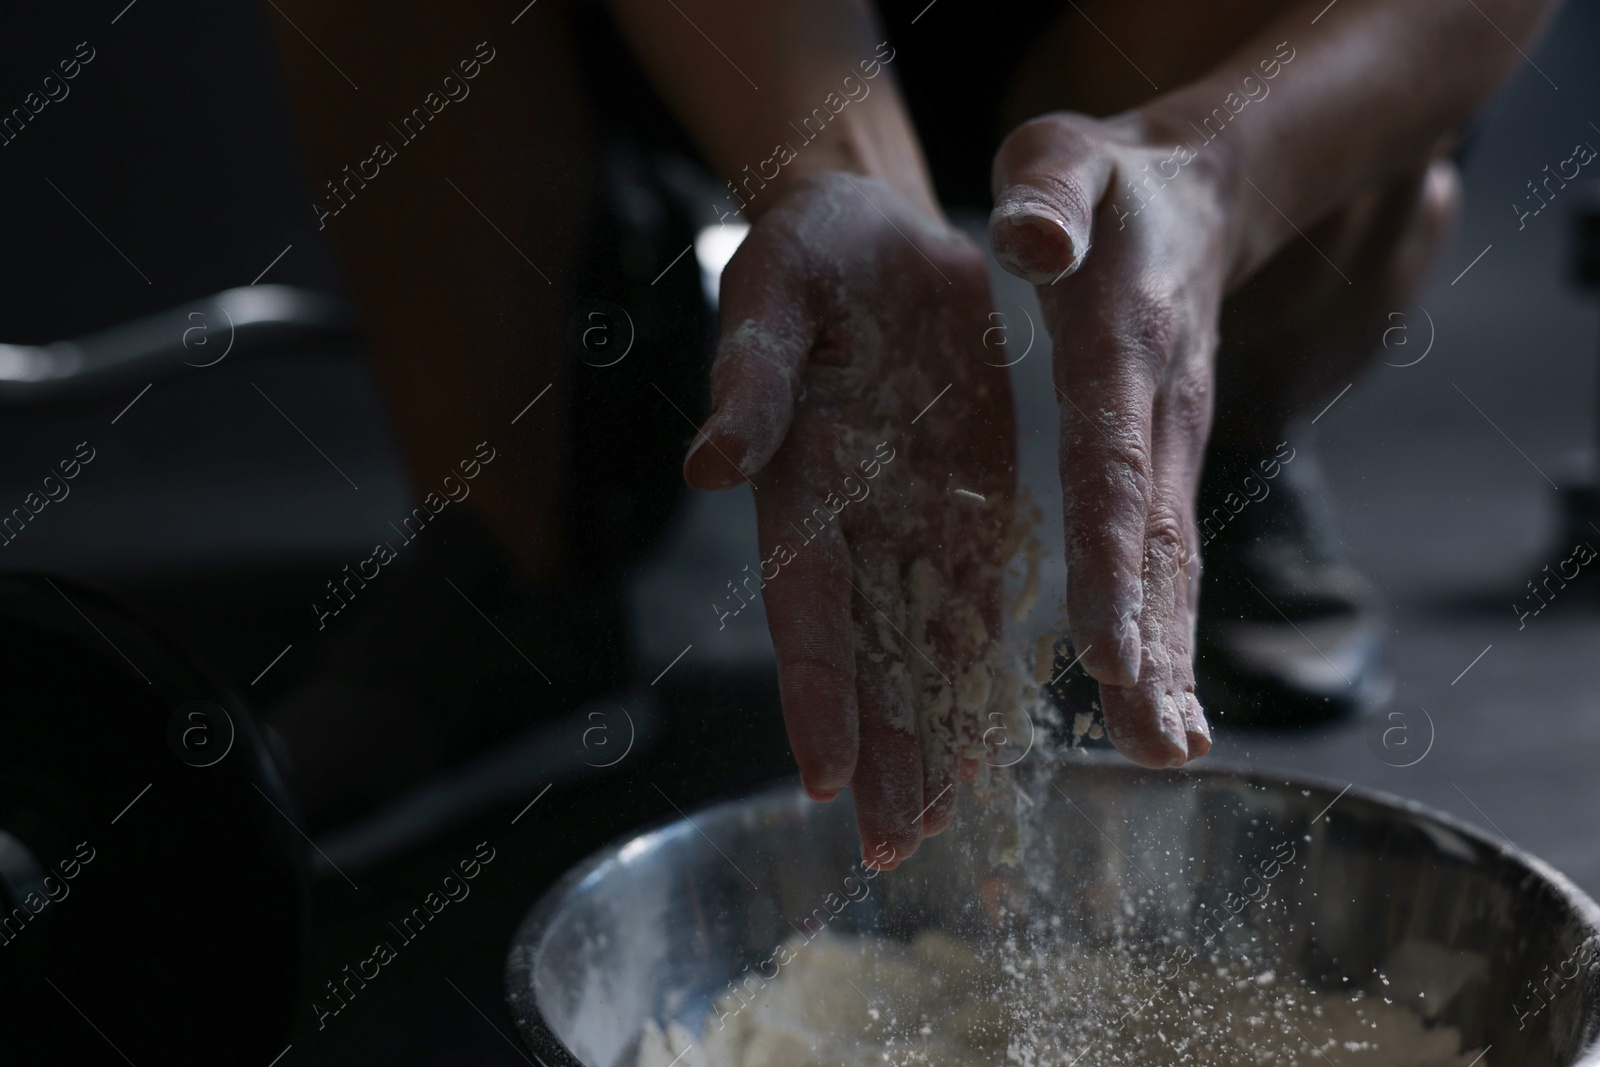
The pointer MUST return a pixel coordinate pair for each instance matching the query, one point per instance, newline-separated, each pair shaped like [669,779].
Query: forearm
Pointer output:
[777,90]
[1368,91]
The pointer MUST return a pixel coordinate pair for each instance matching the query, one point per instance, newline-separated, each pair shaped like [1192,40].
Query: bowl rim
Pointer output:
[527,941]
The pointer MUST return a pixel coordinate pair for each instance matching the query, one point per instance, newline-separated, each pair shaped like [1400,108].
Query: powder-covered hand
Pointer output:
[1131,285]
[851,389]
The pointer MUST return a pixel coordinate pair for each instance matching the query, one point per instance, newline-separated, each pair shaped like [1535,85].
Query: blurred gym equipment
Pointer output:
[150,878]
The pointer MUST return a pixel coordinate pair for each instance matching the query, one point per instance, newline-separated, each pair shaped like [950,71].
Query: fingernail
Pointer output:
[1031,239]
[688,458]
[1196,718]
[1172,729]
[1198,730]
[701,469]
[1128,650]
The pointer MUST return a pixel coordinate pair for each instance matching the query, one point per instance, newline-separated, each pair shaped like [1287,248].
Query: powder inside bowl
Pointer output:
[845,1001]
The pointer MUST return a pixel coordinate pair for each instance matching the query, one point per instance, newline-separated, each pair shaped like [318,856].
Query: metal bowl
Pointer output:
[1488,939]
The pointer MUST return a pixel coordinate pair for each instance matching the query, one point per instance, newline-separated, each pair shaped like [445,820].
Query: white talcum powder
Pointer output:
[847,1001]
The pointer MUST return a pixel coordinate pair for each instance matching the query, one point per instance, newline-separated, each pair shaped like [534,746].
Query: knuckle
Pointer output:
[1116,474]
[1047,151]
[1164,540]
[1070,194]
[1152,331]
[1133,455]
[1058,131]
[1189,404]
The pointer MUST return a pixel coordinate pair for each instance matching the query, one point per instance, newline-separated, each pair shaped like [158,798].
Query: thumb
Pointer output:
[767,330]
[1049,176]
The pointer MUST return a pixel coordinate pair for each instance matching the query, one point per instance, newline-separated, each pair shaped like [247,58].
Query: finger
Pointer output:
[934,664]
[1108,356]
[1146,720]
[1197,731]
[1182,424]
[805,583]
[767,330]
[887,787]
[1156,722]
[1049,178]
[955,620]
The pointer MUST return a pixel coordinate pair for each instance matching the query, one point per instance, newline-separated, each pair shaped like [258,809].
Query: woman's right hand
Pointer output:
[851,391]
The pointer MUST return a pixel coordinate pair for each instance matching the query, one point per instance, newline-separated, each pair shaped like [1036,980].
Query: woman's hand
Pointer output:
[850,389]
[1129,239]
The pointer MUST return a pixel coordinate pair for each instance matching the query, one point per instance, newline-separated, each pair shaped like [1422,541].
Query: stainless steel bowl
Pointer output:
[1499,945]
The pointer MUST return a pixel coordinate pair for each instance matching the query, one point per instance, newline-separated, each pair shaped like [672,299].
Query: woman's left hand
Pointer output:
[1128,238]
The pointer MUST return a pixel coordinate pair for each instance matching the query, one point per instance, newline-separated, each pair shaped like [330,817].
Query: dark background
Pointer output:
[207,510]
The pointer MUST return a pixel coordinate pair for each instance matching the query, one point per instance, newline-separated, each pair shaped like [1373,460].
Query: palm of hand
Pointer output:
[851,388]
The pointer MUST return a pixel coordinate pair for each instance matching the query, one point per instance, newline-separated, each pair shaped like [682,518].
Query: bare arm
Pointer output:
[848,311]
[1136,226]
[1374,86]
[1365,92]
[738,74]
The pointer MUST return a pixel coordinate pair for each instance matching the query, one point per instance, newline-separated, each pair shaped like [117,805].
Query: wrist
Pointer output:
[877,147]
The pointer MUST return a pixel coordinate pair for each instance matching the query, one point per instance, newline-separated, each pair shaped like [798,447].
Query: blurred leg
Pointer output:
[1298,332]
[459,251]
[460,243]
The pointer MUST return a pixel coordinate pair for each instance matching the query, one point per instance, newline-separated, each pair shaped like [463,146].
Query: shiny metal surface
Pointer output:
[199,334]
[1377,888]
